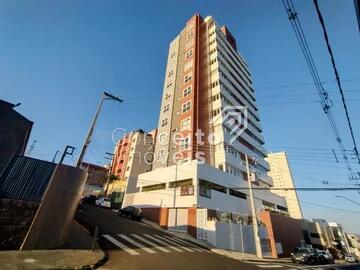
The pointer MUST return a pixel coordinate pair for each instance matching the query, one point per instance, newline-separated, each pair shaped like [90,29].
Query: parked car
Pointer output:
[351,258]
[103,202]
[325,257]
[311,256]
[91,199]
[131,212]
[300,255]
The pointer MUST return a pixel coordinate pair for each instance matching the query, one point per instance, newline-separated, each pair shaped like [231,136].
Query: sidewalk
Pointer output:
[231,254]
[74,254]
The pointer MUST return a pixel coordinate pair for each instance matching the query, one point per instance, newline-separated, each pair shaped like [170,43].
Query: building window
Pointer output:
[186,106]
[167,96]
[187,190]
[186,124]
[188,65]
[187,91]
[180,183]
[161,154]
[166,108]
[153,187]
[187,78]
[164,122]
[189,44]
[171,72]
[210,185]
[168,84]
[190,25]
[188,54]
[190,35]
[185,143]
[162,137]
[238,194]
[315,235]
[204,192]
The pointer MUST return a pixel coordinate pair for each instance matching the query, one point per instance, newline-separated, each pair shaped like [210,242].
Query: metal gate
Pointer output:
[25,178]
[178,219]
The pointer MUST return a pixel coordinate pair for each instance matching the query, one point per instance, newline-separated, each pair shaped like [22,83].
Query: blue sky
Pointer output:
[58,56]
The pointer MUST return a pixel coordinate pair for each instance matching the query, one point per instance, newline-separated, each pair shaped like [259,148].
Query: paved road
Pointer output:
[136,246]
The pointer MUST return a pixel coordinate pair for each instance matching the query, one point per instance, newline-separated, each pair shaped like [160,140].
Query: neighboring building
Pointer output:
[198,187]
[133,155]
[281,174]
[316,233]
[14,133]
[340,237]
[97,175]
[280,227]
[354,243]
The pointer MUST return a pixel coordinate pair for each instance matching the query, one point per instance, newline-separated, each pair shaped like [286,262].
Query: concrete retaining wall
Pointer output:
[51,224]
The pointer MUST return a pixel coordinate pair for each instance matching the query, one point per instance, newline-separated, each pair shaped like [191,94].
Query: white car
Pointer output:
[103,202]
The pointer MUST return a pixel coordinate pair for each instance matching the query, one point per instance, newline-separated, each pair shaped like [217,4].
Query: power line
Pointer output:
[321,19]
[300,189]
[324,96]
[300,84]
[329,207]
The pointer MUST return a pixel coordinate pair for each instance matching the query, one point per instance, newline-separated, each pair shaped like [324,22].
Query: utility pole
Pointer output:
[104,96]
[253,211]
[110,170]
[175,184]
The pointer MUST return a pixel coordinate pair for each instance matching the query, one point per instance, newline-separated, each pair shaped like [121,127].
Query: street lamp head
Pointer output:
[110,96]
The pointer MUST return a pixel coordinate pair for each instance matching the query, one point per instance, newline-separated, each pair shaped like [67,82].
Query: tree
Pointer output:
[112,178]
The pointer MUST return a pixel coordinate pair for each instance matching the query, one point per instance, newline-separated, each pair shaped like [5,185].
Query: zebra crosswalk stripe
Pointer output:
[120,245]
[174,243]
[151,243]
[185,242]
[269,265]
[162,242]
[139,245]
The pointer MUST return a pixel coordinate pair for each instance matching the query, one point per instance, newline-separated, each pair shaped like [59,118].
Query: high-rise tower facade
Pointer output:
[208,109]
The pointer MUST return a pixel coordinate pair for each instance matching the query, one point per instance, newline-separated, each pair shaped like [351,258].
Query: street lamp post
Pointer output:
[348,199]
[253,211]
[104,96]
[110,170]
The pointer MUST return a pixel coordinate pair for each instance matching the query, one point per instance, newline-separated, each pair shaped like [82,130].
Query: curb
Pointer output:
[100,262]
[96,265]
[244,259]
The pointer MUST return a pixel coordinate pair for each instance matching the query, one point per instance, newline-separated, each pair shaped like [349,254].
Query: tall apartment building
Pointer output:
[133,155]
[205,75]
[205,79]
[281,174]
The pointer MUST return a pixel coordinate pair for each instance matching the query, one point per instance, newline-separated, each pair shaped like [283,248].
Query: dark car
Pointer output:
[89,199]
[311,256]
[300,255]
[131,212]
